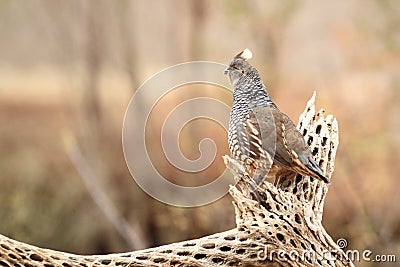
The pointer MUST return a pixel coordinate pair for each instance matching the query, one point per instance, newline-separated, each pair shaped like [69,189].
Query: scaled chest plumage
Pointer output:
[244,138]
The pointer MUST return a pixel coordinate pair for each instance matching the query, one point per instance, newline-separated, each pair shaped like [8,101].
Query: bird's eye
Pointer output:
[242,71]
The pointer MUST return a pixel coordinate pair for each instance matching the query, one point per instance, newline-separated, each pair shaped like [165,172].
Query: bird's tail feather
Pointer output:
[312,165]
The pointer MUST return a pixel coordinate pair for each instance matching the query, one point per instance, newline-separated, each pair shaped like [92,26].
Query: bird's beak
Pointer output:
[226,71]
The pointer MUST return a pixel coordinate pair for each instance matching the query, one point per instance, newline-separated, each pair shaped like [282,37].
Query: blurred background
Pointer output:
[69,68]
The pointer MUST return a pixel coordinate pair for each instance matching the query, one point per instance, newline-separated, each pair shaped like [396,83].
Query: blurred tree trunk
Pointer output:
[267,31]
[94,60]
[198,14]
[128,42]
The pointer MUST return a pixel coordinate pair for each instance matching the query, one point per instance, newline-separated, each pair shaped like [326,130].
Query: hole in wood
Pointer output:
[240,251]
[294,190]
[208,245]
[280,237]
[199,256]
[318,129]
[298,178]
[309,141]
[297,218]
[183,253]
[324,139]
[189,244]
[12,256]
[225,248]
[36,257]
[217,260]
[159,260]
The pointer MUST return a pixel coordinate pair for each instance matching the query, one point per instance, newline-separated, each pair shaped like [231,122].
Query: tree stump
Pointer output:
[276,225]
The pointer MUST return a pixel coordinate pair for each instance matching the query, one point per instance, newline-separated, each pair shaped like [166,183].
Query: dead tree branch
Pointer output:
[276,225]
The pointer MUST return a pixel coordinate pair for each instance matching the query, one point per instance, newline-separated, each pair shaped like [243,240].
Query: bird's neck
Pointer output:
[248,95]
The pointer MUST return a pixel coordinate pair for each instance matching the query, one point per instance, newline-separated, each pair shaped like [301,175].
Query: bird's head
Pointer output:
[239,66]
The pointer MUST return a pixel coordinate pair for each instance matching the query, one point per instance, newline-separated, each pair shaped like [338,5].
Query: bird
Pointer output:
[260,136]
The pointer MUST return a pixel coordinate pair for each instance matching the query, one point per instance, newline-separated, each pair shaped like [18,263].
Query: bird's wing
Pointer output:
[292,149]
[261,134]
[271,131]
[294,142]
[273,137]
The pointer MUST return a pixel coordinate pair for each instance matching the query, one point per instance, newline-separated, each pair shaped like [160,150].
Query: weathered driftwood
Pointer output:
[276,225]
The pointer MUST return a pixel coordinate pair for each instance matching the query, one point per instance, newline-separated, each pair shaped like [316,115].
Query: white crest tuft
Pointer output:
[246,54]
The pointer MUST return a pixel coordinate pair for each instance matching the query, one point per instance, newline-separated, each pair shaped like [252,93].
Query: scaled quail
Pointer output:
[261,137]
